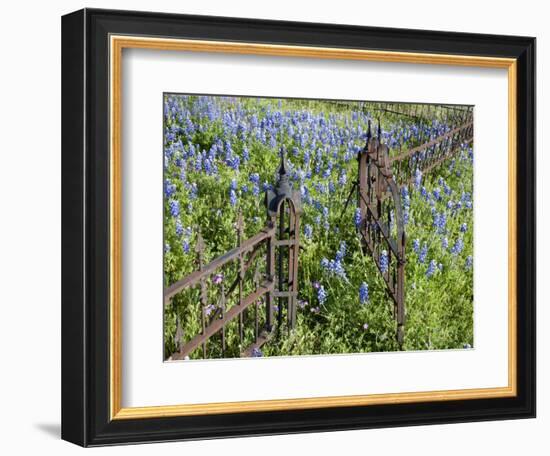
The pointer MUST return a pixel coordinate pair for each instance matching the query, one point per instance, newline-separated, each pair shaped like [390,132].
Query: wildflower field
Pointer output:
[221,154]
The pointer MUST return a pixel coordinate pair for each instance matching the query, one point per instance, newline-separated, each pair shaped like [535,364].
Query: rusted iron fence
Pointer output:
[381,224]
[381,176]
[280,239]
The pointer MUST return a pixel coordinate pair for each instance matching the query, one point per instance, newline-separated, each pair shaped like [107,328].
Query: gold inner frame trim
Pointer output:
[117,44]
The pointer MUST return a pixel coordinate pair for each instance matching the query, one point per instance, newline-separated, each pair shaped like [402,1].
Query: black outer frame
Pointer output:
[85,227]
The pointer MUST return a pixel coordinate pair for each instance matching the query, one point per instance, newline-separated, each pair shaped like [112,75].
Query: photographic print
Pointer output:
[300,227]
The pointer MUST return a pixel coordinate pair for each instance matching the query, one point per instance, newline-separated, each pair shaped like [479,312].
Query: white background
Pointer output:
[148,73]
[30,230]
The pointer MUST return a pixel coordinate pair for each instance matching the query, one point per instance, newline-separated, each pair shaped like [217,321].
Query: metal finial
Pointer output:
[282,169]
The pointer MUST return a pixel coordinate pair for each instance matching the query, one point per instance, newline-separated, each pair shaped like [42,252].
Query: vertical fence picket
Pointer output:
[239,226]
[222,311]
[203,293]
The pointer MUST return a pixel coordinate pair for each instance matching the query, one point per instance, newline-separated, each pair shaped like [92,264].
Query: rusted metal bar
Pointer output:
[240,273]
[222,316]
[203,296]
[195,277]
[280,263]
[270,271]
[264,337]
[436,163]
[218,324]
[428,144]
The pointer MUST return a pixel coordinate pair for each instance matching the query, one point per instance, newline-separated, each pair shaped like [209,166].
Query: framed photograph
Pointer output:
[278,227]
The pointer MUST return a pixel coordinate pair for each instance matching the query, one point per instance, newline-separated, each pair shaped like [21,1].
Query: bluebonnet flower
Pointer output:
[423,253]
[244,188]
[445,243]
[431,268]
[469,262]
[406,204]
[437,193]
[342,179]
[457,247]
[174,208]
[341,253]
[417,178]
[185,245]
[363,293]
[321,294]
[440,220]
[179,227]
[424,193]
[193,190]
[169,188]
[308,231]
[328,170]
[463,227]
[166,247]
[256,353]
[416,246]
[325,218]
[246,155]
[232,197]
[334,267]
[384,260]
[357,218]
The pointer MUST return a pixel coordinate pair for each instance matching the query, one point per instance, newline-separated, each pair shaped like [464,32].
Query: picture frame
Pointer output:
[92,45]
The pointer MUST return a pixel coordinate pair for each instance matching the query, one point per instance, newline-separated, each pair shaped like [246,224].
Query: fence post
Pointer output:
[203,293]
[239,227]
[270,273]
[276,199]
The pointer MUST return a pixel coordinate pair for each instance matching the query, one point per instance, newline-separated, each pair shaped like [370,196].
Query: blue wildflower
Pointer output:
[341,253]
[384,260]
[363,293]
[423,253]
[179,228]
[357,218]
[431,268]
[469,262]
[174,208]
[321,294]
[169,188]
[457,247]
[417,178]
[463,228]
[308,231]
